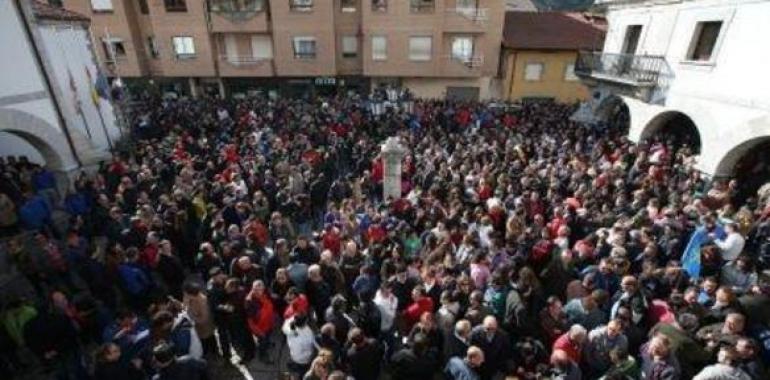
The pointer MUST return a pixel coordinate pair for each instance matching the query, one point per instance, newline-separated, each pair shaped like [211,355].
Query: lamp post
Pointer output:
[392,154]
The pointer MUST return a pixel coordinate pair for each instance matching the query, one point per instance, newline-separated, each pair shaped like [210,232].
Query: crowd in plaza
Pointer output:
[524,245]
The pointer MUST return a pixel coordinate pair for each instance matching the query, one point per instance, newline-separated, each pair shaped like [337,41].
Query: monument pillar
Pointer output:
[392,154]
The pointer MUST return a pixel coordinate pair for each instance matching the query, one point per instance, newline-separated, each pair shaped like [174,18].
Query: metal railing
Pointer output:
[422,6]
[471,62]
[243,60]
[635,69]
[236,9]
[477,15]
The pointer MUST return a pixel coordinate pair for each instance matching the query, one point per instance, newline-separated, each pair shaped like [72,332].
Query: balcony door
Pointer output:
[631,41]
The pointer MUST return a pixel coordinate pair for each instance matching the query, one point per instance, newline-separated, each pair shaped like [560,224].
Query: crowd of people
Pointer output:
[524,246]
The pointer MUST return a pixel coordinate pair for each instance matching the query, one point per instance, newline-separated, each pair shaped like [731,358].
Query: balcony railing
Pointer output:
[477,15]
[470,62]
[236,9]
[636,70]
[422,6]
[240,61]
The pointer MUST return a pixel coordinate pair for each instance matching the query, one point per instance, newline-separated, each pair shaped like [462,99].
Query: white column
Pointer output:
[392,154]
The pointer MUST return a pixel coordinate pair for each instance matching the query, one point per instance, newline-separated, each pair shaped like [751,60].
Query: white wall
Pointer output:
[727,98]
[68,50]
[20,74]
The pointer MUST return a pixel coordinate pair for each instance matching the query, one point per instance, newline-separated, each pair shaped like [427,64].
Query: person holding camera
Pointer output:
[301,342]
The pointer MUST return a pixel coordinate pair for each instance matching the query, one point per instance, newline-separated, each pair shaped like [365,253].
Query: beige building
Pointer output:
[436,48]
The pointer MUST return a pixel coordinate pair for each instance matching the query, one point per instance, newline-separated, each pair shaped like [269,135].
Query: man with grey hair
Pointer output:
[456,343]
[465,368]
[601,341]
[725,368]
[495,344]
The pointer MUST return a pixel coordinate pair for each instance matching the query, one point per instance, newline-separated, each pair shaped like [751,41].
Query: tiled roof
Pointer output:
[553,31]
[44,11]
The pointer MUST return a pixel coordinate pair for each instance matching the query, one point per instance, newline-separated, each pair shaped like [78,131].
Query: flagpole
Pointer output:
[104,127]
[85,122]
[113,58]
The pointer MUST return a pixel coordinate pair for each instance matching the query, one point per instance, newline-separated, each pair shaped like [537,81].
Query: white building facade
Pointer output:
[680,64]
[47,110]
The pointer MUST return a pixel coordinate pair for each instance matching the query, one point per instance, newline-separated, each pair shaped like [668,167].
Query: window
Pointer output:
[101,5]
[569,73]
[420,48]
[233,6]
[379,5]
[349,47]
[704,40]
[143,8]
[113,49]
[533,71]
[175,5]
[379,48]
[261,47]
[153,47]
[301,5]
[462,48]
[422,6]
[184,47]
[348,6]
[304,47]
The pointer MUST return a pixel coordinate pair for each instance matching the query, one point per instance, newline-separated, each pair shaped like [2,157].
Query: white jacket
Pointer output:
[300,341]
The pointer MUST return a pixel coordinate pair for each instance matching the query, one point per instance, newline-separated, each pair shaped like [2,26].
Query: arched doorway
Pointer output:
[749,164]
[23,141]
[614,112]
[673,127]
[46,139]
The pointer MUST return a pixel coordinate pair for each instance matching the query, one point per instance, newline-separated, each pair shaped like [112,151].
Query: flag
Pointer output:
[74,90]
[691,256]
[102,85]
[92,88]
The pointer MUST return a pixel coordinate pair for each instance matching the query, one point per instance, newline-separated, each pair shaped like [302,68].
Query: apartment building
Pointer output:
[436,48]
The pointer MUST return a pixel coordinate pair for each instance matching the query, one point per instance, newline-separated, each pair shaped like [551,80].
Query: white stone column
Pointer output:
[392,154]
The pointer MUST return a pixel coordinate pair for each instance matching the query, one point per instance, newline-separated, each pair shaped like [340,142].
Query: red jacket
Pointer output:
[571,348]
[415,310]
[299,305]
[260,313]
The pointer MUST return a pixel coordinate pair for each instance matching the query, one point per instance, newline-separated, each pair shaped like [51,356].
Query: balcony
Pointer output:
[463,66]
[645,77]
[466,19]
[238,16]
[422,6]
[245,66]
[623,69]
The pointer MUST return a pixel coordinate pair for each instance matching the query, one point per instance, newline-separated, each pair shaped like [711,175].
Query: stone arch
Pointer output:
[614,110]
[748,163]
[674,125]
[51,143]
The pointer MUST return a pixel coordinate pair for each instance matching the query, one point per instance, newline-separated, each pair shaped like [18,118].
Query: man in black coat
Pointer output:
[417,362]
[495,344]
[172,368]
[364,355]
[457,341]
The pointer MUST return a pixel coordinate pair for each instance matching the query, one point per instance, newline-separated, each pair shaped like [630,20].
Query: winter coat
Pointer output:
[260,314]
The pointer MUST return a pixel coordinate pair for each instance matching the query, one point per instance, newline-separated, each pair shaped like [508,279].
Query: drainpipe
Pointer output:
[26,17]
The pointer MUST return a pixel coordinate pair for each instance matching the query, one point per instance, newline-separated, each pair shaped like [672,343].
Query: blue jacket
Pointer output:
[134,279]
[34,213]
[44,180]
